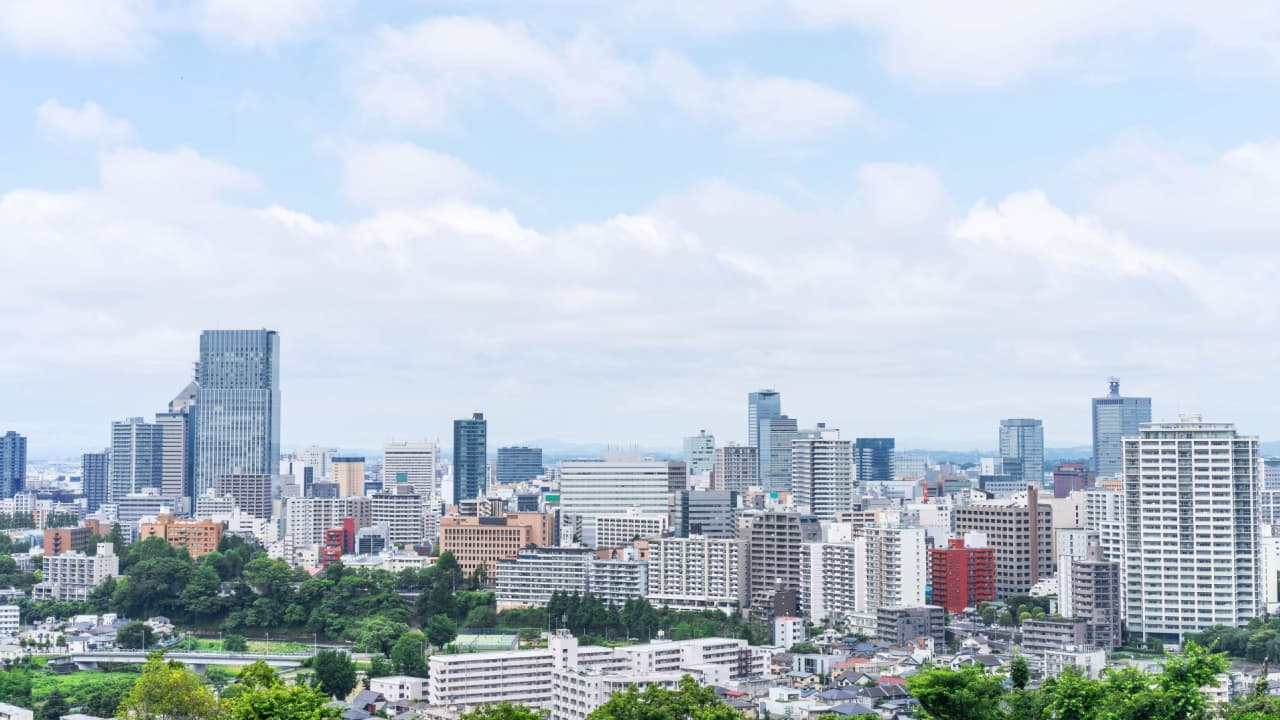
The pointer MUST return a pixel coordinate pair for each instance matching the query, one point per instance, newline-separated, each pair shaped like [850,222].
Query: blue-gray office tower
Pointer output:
[237,405]
[1022,449]
[776,436]
[873,460]
[518,464]
[470,457]
[13,463]
[762,406]
[1115,418]
[93,478]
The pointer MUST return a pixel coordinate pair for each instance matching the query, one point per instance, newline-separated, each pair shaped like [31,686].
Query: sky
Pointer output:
[608,222]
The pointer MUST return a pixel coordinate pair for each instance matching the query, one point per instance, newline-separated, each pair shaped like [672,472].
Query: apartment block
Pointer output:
[698,573]
[615,530]
[73,575]
[61,540]
[1021,537]
[199,537]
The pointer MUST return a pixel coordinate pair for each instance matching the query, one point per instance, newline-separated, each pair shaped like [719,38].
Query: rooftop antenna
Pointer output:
[1114,383]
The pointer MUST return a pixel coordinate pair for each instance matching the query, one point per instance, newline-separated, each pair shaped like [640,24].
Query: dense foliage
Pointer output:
[592,620]
[1257,641]
[1121,694]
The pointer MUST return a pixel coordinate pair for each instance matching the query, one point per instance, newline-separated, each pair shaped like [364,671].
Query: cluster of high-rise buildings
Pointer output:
[1164,531]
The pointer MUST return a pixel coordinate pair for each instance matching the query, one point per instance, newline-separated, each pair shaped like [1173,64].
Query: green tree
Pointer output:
[135,635]
[260,695]
[102,699]
[1072,696]
[407,654]
[988,614]
[1019,672]
[167,691]
[505,711]
[335,673]
[234,643]
[965,694]
[481,616]
[690,701]
[15,686]
[54,707]
[378,633]
[1183,678]
[440,630]
[380,666]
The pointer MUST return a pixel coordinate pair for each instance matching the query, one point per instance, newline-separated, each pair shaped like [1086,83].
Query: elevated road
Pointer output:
[196,660]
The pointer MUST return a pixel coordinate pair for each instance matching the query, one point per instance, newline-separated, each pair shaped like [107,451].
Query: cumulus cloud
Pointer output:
[90,123]
[253,23]
[426,75]
[79,28]
[401,174]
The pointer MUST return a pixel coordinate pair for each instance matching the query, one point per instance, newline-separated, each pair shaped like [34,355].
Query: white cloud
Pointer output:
[259,23]
[426,75]
[80,28]
[400,174]
[991,43]
[89,123]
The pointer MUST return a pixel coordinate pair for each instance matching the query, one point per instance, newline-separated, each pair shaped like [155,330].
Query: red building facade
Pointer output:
[962,577]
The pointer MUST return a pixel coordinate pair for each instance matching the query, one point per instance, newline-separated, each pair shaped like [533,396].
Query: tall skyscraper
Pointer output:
[518,464]
[700,452]
[1191,528]
[1022,449]
[13,463]
[776,437]
[1114,418]
[413,463]
[177,444]
[237,405]
[761,405]
[94,469]
[822,473]
[470,457]
[873,460]
[135,458]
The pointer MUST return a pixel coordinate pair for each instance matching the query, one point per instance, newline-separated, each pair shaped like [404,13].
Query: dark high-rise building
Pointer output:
[710,513]
[1115,418]
[237,405]
[470,457]
[762,406]
[177,444]
[13,463]
[873,460]
[93,478]
[518,464]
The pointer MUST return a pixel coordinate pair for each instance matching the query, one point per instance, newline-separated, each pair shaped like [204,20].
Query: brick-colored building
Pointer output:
[199,537]
[61,540]
[483,541]
[962,577]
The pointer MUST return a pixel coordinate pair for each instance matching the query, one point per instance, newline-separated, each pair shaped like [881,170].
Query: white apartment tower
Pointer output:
[1191,528]
[822,472]
[897,567]
[737,467]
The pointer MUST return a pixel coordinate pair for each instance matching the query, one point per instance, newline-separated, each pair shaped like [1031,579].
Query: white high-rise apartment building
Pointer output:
[402,511]
[822,473]
[1191,528]
[414,463]
[1104,515]
[697,573]
[737,467]
[897,567]
[835,580]
[597,487]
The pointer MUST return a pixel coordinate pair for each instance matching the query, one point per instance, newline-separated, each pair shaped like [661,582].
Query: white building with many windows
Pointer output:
[697,573]
[615,530]
[822,473]
[1191,528]
[590,488]
[73,575]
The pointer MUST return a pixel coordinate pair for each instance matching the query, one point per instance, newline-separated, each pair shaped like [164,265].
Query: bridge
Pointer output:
[197,661]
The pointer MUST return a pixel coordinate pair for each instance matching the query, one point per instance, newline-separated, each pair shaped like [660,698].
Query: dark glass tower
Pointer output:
[13,463]
[470,457]
[874,459]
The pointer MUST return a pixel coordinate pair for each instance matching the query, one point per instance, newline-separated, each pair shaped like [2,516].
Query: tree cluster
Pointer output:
[1175,693]
[593,620]
[1258,641]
